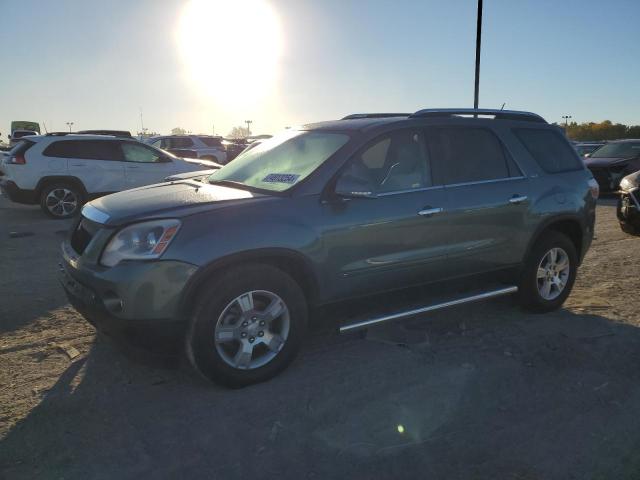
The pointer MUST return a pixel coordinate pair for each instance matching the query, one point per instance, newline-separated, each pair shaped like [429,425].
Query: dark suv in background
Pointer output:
[613,161]
[331,211]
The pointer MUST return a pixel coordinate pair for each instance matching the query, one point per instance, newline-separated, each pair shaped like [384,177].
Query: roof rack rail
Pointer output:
[355,116]
[115,133]
[497,114]
[57,134]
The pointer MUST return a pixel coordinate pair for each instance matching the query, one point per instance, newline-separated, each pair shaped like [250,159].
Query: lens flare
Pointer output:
[230,49]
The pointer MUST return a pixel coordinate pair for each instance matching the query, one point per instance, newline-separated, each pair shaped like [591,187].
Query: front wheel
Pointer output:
[247,325]
[549,273]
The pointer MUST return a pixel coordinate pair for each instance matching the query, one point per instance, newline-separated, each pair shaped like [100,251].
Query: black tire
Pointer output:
[212,301]
[528,292]
[62,210]
[630,228]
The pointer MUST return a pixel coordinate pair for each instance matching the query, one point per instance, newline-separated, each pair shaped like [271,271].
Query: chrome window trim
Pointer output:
[481,182]
[92,213]
[411,190]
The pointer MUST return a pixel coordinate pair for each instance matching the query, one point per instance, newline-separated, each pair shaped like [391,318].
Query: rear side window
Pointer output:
[552,152]
[211,141]
[85,149]
[180,142]
[466,155]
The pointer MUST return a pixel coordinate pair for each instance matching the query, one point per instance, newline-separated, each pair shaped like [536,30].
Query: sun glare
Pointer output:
[230,48]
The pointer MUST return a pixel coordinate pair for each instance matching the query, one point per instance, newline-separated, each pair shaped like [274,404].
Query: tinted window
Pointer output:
[463,155]
[85,149]
[211,141]
[157,143]
[552,152]
[395,162]
[180,142]
[620,149]
[136,152]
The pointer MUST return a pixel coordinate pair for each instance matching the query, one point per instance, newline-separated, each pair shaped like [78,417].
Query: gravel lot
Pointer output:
[483,391]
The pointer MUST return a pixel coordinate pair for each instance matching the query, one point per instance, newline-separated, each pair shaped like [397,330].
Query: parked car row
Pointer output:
[62,171]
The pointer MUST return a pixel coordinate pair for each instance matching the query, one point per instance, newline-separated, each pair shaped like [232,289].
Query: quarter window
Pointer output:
[552,152]
[134,152]
[466,155]
[394,162]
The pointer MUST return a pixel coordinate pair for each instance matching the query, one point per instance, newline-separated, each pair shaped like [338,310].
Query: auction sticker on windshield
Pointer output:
[290,178]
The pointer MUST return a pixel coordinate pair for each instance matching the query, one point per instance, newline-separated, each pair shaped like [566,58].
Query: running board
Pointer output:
[429,308]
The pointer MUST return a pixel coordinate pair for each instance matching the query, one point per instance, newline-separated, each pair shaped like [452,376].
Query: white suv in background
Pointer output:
[61,172]
[206,147]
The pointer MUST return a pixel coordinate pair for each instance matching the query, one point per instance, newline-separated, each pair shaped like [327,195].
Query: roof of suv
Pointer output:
[72,136]
[364,121]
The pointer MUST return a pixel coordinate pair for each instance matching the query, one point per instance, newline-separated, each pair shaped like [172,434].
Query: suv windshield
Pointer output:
[623,149]
[282,161]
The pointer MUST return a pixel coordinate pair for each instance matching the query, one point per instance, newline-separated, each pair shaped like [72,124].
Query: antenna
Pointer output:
[45,127]
[503,104]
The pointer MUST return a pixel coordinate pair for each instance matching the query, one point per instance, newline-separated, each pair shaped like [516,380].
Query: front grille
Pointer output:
[82,235]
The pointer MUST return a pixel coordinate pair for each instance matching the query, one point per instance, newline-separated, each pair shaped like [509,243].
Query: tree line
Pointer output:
[606,130]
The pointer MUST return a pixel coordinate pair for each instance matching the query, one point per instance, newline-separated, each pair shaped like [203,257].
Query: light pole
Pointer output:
[69,124]
[476,92]
[566,120]
[248,122]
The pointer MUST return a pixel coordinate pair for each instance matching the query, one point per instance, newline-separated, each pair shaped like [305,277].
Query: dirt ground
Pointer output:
[479,392]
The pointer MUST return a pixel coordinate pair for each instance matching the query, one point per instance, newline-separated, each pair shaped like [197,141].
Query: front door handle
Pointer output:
[518,199]
[132,166]
[427,212]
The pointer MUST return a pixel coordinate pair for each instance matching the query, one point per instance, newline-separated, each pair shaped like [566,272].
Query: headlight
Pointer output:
[141,241]
[626,184]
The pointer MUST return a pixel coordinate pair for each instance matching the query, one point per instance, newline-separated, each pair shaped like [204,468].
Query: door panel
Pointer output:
[384,243]
[98,176]
[488,224]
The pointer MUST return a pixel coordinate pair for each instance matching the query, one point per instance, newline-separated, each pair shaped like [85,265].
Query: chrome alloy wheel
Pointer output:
[252,329]
[553,273]
[61,202]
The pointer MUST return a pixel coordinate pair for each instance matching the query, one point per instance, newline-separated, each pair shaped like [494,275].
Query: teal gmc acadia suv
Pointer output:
[228,266]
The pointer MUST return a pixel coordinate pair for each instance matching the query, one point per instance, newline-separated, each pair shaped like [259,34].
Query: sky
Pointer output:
[208,66]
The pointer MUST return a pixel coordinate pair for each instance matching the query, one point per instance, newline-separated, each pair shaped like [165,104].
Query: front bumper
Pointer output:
[628,209]
[17,194]
[137,302]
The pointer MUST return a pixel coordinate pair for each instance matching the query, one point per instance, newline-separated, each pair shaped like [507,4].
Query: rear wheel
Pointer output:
[247,325]
[549,273]
[61,200]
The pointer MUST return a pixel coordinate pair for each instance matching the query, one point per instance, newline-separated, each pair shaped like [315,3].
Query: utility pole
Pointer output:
[478,42]
[566,120]
[248,122]
[141,122]
[69,124]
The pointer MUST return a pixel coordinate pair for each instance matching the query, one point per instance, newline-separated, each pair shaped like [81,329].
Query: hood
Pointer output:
[175,199]
[630,181]
[190,175]
[605,161]
[201,162]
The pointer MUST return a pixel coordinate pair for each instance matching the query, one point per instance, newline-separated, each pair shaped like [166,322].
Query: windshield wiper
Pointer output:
[231,183]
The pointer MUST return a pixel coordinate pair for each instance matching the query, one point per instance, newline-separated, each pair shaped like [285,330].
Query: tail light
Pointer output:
[594,188]
[17,160]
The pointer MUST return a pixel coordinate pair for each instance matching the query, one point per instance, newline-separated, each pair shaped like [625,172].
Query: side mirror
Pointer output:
[349,186]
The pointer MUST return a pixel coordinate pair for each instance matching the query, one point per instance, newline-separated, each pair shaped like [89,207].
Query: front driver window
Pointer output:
[395,162]
[139,153]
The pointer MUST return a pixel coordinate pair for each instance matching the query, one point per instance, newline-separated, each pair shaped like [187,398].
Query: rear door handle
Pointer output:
[78,165]
[518,199]
[427,212]
[132,166]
